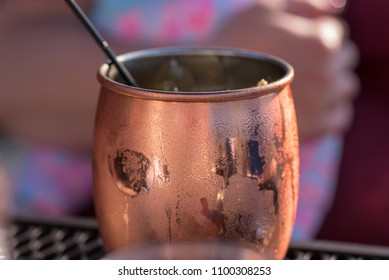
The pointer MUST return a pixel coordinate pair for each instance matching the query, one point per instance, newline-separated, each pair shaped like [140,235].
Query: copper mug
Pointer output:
[201,151]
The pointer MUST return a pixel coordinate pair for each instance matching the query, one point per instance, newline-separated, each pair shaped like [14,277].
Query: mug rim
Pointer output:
[199,96]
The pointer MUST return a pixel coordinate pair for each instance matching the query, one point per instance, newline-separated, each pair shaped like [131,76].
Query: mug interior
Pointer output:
[200,70]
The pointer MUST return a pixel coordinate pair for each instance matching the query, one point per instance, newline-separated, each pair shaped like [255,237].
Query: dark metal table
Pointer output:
[78,239]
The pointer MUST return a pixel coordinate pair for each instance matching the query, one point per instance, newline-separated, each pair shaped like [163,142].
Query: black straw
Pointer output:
[102,43]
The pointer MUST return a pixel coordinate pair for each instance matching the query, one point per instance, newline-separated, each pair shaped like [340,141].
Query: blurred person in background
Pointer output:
[50,92]
[361,208]
[47,103]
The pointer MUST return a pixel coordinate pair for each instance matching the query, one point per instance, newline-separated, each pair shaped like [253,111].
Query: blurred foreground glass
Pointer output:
[201,151]
[4,218]
[187,251]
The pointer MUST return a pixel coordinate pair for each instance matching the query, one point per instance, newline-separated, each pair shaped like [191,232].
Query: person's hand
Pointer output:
[320,52]
[306,8]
